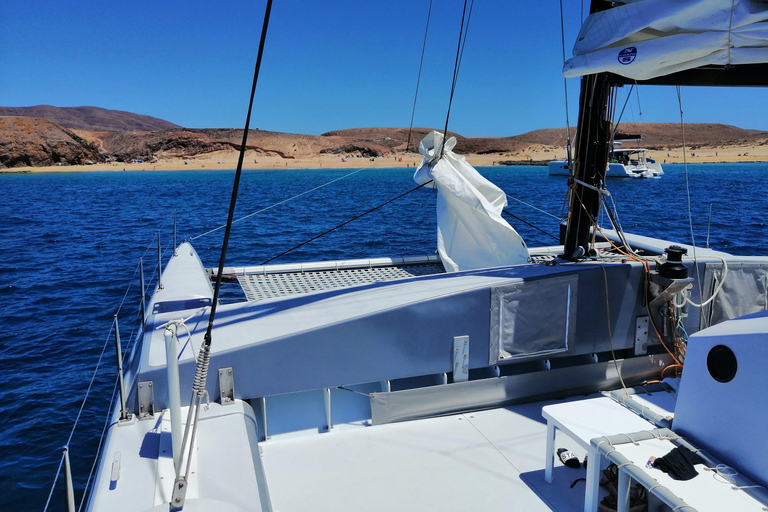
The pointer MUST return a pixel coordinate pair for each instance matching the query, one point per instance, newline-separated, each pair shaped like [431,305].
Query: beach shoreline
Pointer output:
[227,160]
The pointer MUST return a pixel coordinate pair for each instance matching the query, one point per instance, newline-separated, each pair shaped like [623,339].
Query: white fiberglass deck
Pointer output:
[487,460]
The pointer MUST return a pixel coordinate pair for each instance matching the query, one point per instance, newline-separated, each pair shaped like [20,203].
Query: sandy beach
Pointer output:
[227,160]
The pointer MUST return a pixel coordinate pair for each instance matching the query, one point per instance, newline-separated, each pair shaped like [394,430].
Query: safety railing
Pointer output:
[137,318]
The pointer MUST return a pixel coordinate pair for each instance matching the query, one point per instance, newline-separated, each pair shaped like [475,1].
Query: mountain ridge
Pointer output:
[34,141]
[91,118]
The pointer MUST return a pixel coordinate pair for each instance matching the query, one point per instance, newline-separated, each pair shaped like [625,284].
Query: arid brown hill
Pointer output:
[395,140]
[91,118]
[28,141]
[36,142]
[659,135]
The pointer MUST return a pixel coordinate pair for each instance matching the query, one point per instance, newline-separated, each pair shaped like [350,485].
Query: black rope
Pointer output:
[621,114]
[569,158]
[344,223]
[528,223]
[236,185]
[418,80]
[459,53]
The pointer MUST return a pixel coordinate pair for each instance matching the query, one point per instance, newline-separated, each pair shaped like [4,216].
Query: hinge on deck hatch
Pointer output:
[146,400]
[226,386]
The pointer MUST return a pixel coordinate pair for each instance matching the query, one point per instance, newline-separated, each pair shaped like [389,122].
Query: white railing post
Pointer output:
[174,392]
[68,482]
[159,264]
[118,348]
[143,290]
[175,253]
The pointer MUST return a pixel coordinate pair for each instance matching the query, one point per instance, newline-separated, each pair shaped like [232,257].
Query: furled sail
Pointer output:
[645,39]
[470,231]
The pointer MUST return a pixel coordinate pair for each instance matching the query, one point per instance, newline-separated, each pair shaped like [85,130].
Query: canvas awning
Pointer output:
[645,39]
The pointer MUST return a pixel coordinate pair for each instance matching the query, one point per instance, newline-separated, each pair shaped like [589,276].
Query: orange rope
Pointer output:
[647,268]
[670,366]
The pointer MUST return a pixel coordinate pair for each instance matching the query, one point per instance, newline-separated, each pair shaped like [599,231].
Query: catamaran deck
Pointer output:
[485,460]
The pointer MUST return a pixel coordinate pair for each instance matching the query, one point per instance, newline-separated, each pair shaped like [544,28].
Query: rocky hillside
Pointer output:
[91,118]
[29,141]
[659,135]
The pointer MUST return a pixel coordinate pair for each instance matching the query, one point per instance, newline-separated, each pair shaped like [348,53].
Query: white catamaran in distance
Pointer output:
[622,163]
[450,382]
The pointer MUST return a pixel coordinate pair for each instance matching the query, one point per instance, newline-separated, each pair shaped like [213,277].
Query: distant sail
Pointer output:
[470,231]
[645,39]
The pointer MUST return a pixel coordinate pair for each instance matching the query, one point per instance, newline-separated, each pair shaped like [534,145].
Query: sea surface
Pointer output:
[70,244]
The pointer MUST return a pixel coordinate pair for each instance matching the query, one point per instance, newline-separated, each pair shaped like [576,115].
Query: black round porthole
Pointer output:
[721,363]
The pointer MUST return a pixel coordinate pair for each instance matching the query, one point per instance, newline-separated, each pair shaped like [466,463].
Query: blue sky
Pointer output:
[327,65]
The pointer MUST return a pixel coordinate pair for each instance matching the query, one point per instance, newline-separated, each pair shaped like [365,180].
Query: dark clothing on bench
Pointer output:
[678,463]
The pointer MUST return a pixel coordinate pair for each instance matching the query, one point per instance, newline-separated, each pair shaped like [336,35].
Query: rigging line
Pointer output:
[282,202]
[621,114]
[688,192]
[639,107]
[98,449]
[343,223]
[565,88]
[610,331]
[238,173]
[529,224]
[464,41]
[457,64]
[353,391]
[418,79]
[135,271]
[531,206]
[55,479]
[90,385]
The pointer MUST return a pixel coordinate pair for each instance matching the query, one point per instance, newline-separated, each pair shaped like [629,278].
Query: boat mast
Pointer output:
[591,161]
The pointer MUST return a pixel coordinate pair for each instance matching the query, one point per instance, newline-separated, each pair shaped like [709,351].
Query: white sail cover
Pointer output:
[470,231]
[644,39]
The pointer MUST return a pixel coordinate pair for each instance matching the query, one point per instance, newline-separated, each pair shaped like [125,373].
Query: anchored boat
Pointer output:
[622,163]
[449,382]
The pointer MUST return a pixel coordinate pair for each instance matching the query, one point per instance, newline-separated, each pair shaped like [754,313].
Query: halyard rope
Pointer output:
[418,79]
[345,223]
[459,53]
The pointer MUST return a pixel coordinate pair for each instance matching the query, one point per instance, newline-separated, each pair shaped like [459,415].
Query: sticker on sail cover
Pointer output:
[627,55]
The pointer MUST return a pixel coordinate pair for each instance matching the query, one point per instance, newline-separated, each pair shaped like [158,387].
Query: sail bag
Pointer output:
[645,39]
[470,231]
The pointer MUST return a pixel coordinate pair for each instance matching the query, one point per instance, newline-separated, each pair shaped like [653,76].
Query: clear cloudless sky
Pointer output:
[327,65]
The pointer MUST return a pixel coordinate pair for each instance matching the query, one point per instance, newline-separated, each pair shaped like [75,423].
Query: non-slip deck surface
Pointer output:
[267,286]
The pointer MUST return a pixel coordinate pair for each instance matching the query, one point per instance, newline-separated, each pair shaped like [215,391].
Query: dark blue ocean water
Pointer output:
[70,243]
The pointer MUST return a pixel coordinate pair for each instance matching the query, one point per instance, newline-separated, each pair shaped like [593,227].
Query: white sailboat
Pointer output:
[408,385]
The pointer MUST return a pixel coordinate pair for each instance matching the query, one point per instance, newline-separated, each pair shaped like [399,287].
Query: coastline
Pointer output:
[227,160]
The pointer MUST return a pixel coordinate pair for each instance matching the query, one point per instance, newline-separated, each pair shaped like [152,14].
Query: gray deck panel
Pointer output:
[489,460]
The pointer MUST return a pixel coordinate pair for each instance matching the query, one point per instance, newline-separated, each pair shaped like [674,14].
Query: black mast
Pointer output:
[591,160]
